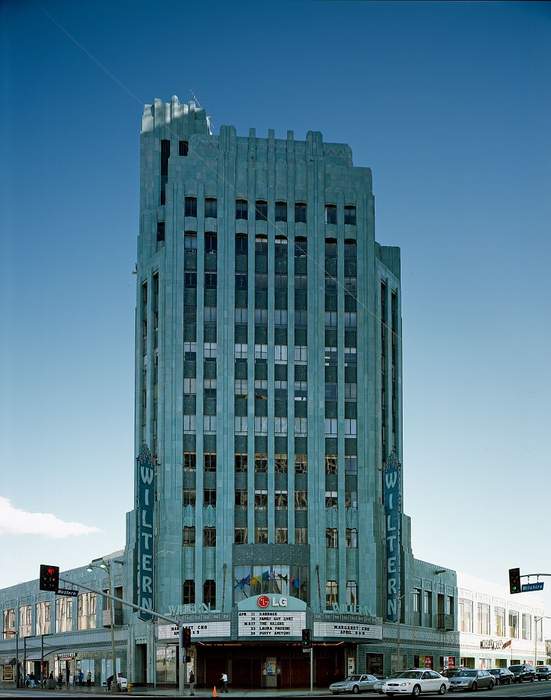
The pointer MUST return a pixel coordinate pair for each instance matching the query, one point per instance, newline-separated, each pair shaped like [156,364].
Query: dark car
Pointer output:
[502,676]
[543,673]
[470,679]
[522,672]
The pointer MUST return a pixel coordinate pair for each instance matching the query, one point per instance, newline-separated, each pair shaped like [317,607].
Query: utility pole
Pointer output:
[312,668]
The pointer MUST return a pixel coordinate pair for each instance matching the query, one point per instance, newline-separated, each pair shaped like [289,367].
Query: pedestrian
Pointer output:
[225,681]
[109,681]
[191,682]
[80,677]
[89,679]
[60,679]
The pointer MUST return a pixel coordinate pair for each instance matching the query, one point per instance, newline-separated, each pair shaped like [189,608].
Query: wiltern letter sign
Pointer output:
[393,532]
[145,539]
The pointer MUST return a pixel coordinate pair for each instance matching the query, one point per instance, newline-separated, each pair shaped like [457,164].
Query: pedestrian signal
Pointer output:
[306,638]
[49,577]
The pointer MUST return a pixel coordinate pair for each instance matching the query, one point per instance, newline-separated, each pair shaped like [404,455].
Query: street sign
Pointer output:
[526,587]
[71,592]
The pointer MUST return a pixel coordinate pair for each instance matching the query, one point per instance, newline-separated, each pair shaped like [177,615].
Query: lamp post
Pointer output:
[108,568]
[537,619]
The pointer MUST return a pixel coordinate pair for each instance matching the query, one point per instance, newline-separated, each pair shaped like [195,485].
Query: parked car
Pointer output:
[522,672]
[471,679]
[502,676]
[357,683]
[415,682]
[381,680]
[543,673]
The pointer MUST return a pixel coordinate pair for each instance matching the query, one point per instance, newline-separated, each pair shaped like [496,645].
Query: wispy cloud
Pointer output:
[14,521]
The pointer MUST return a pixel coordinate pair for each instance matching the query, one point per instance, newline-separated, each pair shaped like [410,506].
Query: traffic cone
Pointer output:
[214,693]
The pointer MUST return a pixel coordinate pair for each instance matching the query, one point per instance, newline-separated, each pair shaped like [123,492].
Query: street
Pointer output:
[523,690]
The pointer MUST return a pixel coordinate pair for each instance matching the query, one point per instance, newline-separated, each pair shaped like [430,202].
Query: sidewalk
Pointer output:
[174,692]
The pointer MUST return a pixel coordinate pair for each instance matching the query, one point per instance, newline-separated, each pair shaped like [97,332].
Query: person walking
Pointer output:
[191,682]
[89,680]
[224,679]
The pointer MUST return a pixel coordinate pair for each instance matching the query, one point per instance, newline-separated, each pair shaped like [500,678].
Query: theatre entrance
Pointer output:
[265,665]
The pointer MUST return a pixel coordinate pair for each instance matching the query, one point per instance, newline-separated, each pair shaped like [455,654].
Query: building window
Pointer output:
[160,231]
[300,213]
[189,592]
[280,463]
[351,464]
[210,208]
[526,626]
[351,595]
[301,464]
[301,500]
[86,611]
[211,245]
[209,497]
[330,214]
[9,630]
[261,210]
[64,615]
[183,148]
[240,535]
[209,537]
[350,499]
[189,461]
[331,594]
[25,621]
[190,206]
[189,536]
[261,499]
[513,624]
[209,593]
[261,535]
[331,499]
[330,464]
[188,497]
[331,538]
[241,498]
[301,535]
[483,614]
[241,209]
[351,537]
[500,621]
[240,462]
[280,500]
[281,535]
[43,619]
[209,461]
[260,462]
[465,615]
[281,211]
[350,215]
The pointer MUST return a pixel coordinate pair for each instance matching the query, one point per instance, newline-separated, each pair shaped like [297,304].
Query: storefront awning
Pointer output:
[34,656]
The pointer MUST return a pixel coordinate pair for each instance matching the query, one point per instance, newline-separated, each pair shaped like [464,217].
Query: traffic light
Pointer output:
[514,581]
[49,577]
[186,637]
[306,638]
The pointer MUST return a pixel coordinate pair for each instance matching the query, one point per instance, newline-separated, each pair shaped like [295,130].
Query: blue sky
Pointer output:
[449,104]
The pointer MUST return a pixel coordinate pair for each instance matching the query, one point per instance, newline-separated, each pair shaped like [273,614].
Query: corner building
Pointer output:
[269,392]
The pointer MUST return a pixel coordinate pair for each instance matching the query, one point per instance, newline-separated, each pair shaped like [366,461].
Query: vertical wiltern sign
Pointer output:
[393,534]
[144,519]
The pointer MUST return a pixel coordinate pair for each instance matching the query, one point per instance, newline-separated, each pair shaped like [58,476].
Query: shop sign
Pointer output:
[199,630]
[449,661]
[491,644]
[144,516]
[393,521]
[271,601]
[428,661]
[352,630]
[7,673]
[268,623]
[66,656]
[190,609]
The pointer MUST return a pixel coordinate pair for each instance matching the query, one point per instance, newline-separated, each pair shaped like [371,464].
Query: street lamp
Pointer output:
[107,567]
[537,619]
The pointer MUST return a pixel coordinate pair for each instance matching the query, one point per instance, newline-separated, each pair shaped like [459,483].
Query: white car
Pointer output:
[415,682]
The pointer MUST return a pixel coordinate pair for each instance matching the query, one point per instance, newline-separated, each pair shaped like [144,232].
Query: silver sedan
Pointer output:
[358,683]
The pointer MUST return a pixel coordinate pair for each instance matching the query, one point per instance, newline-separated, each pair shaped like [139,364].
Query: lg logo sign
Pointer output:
[264,601]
